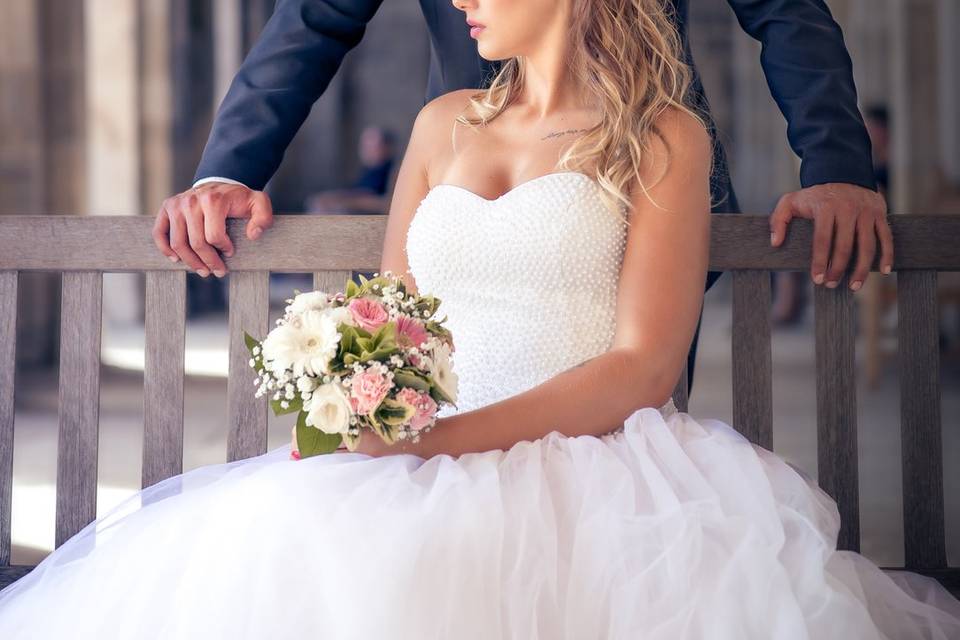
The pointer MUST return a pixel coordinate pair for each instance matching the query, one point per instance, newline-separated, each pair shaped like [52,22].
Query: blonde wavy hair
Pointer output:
[630,54]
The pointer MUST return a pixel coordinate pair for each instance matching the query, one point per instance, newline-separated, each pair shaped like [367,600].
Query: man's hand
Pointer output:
[195,222]
[856,212]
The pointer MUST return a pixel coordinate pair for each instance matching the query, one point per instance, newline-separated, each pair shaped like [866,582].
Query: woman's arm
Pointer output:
[659,296]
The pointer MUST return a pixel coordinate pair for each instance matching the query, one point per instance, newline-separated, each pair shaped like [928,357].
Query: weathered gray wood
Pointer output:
[246,414]
[681,394]
[165,329]
[331,281]
[919,336]
[742,241]
[80,323]
[8,351]
[301,244]
[837,461]
[295,244]
[752,375]
[11,573]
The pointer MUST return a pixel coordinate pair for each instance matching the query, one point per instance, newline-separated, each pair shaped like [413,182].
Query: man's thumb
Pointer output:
[261,215]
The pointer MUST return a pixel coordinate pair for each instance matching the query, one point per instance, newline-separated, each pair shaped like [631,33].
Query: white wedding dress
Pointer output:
[671,527]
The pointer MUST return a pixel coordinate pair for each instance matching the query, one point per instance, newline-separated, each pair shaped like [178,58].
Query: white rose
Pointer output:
[328,409]
[442,371]
[340,314]
[317,300]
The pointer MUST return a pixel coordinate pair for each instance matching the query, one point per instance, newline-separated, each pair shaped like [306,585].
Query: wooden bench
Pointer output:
[332,247]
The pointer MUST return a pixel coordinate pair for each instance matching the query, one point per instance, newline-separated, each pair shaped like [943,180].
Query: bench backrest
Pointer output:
[332,247]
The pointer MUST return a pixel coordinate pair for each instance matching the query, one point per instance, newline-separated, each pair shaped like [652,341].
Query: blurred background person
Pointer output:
[368,193]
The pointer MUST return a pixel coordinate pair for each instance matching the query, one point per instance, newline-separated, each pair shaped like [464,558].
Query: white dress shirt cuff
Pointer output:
[217,179]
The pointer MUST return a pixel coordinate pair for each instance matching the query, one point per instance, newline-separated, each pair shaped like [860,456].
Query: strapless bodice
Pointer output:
[527,280]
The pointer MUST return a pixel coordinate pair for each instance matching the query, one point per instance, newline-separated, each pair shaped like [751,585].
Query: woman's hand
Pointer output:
[370,444]
[294,449]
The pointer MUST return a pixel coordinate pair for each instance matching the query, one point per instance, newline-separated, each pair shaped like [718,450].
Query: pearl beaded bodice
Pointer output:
[527,281]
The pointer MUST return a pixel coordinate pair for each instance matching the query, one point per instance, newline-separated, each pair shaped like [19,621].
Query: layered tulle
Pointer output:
[676,527]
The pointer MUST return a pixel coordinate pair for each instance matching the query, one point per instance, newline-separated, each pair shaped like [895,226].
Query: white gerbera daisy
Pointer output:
[442,371]
[306,346]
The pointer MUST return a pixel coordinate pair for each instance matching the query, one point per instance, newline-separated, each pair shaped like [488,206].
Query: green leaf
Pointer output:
[351,290]
[387,432]
[295,405]
[412,378]
[312,441]
[394,412]
[250,341]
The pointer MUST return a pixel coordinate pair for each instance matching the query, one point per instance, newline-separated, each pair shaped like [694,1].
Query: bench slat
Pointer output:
[681,394]
[124,243]
[837,406]
[331,281]
[8,352]
[920,420]
[79,402]
[249,310]
[752,375]
[165,330]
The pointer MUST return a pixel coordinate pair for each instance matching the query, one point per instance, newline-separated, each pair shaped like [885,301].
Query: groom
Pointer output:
[302,45]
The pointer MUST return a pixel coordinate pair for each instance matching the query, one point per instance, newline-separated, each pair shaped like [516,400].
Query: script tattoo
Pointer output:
[555,134]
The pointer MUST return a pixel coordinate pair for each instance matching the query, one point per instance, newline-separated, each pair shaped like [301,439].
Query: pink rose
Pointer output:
[425,406]
[367,390]
[410,332]
[368,313]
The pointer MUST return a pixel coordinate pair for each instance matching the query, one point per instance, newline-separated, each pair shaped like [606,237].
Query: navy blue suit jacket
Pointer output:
[301,47]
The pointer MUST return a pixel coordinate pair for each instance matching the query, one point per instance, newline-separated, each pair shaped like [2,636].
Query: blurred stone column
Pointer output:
[949,21]
[155,107]
[113,133]
[766,167]
[227,45]
[914,132]
[867,32]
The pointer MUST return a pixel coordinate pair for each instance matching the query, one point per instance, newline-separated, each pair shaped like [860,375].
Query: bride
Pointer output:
[562,215]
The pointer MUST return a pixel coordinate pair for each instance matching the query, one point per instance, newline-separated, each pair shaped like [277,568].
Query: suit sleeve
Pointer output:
[285,72]
[810,75]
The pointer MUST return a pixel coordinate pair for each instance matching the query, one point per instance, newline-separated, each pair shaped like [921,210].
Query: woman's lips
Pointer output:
[474,31]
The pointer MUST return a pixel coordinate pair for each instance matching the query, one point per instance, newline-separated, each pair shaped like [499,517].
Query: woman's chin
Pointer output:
[492,56]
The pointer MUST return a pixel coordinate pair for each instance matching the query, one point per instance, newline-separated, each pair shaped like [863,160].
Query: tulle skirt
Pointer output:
[675,527]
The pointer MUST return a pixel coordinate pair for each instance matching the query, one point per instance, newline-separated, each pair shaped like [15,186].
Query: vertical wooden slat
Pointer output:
[919,355]
[752,358]
[8,352]
[249,306]
[681,394]
[165,317]
[331,281]
[837,406]
[80,323]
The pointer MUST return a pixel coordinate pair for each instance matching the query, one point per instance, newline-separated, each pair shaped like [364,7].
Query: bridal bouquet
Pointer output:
[372,356]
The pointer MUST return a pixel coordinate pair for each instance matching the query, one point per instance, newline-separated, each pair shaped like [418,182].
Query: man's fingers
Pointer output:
[180,241]
[822,235]
[198,242]
[161,230]
[215,233]
[842,248]
[866,248]
[886,245]
[261,217]
[780,218]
